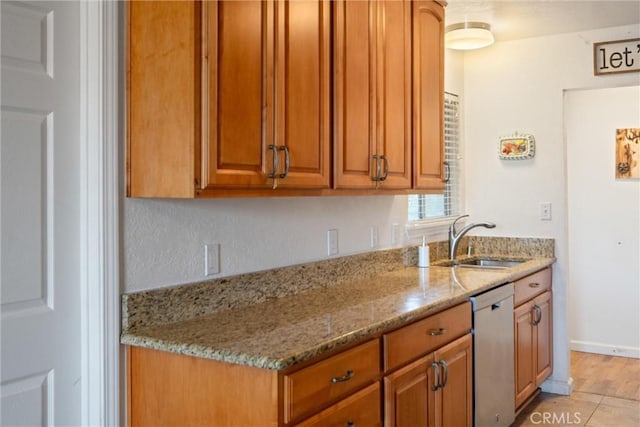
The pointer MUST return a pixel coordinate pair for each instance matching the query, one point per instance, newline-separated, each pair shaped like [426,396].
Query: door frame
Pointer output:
[99,196]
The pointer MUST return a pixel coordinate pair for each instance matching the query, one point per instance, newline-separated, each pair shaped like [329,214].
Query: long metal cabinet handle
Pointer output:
[346,377]
[287,161]
[275,161]
[447,172]
[376,177]
[386,167]
[445,375]
[436,368]
[538,314]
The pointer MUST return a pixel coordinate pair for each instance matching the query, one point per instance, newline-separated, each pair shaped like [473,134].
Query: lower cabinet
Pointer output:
[311,389]
[418,375]
[408,395]
[533,334]
[428,371]
[361,409]
[169,389]
[435,390]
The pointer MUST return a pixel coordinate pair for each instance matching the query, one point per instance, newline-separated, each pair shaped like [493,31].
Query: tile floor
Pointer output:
[606,392]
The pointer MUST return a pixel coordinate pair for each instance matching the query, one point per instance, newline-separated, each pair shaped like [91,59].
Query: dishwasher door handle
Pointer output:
[496,305]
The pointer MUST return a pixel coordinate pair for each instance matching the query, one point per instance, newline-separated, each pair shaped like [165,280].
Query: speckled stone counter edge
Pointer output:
[184,302]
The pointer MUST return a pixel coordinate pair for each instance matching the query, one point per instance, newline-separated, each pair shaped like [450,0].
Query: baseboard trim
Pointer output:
[558,387]
[610,350]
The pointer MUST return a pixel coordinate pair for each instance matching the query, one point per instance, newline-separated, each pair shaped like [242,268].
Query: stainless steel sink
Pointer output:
[486,263]
[491,263]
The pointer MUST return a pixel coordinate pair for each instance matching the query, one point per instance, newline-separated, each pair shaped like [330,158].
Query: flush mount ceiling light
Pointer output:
[468,35]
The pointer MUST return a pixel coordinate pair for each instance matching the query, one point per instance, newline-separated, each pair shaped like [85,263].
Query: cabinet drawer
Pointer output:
[314,387]
[531,286]
[421,337]
[360,409]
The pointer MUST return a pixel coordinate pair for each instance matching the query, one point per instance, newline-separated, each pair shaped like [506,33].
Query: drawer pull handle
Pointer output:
[350,423]
[436,332]
[346,377]
[534,285]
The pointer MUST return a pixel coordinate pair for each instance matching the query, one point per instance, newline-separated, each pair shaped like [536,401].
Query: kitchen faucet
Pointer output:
[454,238]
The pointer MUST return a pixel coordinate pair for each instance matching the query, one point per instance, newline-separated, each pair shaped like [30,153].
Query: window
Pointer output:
[432,206]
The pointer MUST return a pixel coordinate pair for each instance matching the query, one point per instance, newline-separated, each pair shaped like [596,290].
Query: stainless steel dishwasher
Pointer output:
[494,403]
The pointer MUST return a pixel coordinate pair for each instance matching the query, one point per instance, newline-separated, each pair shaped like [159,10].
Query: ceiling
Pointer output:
[519,19]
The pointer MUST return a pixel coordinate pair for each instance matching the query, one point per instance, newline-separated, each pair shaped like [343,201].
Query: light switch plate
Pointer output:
[211,259]
[545,211]
[396,234]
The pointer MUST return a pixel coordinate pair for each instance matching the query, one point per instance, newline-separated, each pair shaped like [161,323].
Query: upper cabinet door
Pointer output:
[238,93]
[355,102]
[394,92]
[163,97]
[303,106]
[373,94]
[268,68]
[428,95]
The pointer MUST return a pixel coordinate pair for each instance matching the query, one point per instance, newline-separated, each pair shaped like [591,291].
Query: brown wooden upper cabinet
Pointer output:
[228,95]
[268,68]
[372,94]
[428,96]
[235,98]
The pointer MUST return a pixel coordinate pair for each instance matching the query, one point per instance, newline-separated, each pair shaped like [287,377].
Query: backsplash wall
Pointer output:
[164,239]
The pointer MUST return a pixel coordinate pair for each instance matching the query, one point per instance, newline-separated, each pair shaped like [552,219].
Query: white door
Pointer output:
[40,214]
[604,223]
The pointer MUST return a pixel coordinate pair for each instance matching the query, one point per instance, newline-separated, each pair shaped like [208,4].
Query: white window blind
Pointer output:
[428,206]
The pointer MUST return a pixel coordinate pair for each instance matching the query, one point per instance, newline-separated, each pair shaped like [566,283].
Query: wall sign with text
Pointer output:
[620,56]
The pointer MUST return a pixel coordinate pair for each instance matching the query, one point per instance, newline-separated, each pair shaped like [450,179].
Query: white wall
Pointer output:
[604,224]
[164,239]
[518,86]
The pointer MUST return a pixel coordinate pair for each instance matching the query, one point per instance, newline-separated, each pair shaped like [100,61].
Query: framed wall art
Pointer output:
[516,147]
[628,153]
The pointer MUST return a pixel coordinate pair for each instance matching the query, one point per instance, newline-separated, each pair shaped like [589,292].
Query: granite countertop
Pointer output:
[279,332]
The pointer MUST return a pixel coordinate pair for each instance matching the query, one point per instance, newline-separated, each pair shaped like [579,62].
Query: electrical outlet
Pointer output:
[545,211]
[396,234]
[332,242]
[373,237]
[211,259]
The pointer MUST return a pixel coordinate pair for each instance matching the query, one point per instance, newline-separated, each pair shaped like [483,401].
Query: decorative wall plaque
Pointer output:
[628,153]
[620,56]
[516,147]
